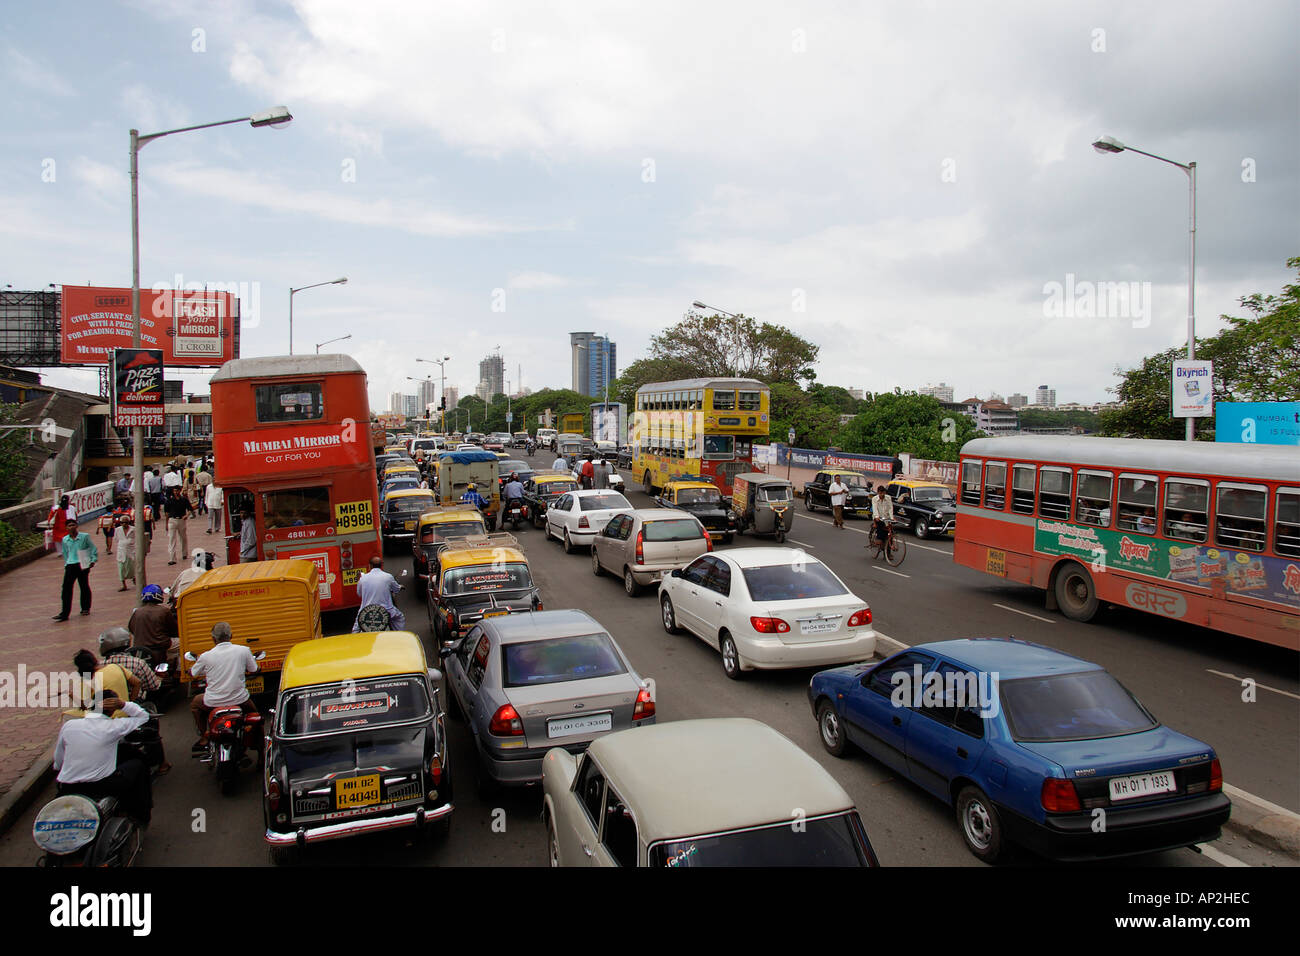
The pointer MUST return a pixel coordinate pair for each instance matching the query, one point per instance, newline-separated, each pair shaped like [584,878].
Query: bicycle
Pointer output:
[895,549]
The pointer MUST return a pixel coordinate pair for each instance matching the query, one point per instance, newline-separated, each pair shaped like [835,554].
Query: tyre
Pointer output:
[552,844]
[897,550]
[780,534]
[596,569]
[807,501]
[568,542]
[668,615]
[730,657]
[646,486]
[980,825]
[1076,595]
[830,729]
[228,785]
[629,582]
[921,528]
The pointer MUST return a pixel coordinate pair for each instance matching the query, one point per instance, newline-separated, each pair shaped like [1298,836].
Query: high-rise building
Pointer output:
[426,394]
[395,403]
[452,394]
[1016,400]
[855,393]
[410,406]
[942,391]
[595,362]
[1045,396]
[492,371]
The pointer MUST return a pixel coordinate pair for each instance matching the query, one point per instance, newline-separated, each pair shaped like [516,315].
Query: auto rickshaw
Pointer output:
[764,504]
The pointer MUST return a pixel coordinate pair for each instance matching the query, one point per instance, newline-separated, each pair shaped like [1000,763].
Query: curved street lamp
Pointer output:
[331,341]
[341,281]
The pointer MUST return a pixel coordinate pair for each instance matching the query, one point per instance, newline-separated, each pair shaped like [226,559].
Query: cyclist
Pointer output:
[882,514]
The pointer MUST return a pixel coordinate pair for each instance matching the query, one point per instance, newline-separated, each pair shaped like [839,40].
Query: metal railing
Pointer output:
[162,445]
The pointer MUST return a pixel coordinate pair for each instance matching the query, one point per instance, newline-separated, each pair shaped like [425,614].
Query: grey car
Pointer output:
[528,683]
[642,546]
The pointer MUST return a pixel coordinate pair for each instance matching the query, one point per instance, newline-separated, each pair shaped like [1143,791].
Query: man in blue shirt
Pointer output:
[79,556]
[377,586]
[513,489]
[471,496]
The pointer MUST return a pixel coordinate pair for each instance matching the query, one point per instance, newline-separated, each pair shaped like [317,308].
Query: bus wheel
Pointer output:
[646,486]
[1075,593]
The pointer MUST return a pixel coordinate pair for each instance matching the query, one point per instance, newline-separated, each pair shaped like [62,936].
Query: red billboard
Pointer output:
[267,451]
[190,327]
[137,387]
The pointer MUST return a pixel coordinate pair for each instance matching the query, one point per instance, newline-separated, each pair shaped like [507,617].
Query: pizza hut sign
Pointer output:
[138,388]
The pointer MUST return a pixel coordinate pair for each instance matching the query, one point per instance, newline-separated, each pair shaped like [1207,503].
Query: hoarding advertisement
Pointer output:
[191,328]
[137,387]
[1262,423]
[1193,389]
[268,450]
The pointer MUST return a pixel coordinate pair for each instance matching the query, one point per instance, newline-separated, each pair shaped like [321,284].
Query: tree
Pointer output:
[815,424]
[13,457]
[917,424]
[1255,359]
[714,346]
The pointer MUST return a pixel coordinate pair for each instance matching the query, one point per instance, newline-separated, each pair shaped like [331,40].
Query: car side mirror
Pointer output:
[675,573]
[260,655]
[435,675]
[189,656]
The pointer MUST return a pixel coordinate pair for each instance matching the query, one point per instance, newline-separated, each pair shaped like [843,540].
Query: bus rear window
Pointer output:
[724,401]
[296,507]
[750,401]
[299,402]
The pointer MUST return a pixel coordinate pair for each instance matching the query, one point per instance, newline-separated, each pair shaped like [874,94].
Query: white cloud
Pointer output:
[35,75]
[537,280]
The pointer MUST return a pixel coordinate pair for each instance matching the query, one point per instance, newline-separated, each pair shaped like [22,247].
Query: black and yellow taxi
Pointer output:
[928,507]
[434,528]
[401,512]
[542,489]
[703,500]
[471,579]
[358,743]
[857,491]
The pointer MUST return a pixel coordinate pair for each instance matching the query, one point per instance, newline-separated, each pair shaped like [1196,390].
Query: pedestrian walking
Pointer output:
[588,473]
[126,553]
[837,491]
[214,499]
[204,480]
[79,556]
[153,489]
[247,537]
[59,520]
[178,509]
[108,525]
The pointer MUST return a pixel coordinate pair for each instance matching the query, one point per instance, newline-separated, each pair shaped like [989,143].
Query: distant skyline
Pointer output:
[911,187]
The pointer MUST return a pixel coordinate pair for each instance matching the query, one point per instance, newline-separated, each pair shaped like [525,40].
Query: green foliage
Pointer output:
[894,423]
[816,425]
[709,346]
[13,541]
[492,417]
[1050,418]
[13,460]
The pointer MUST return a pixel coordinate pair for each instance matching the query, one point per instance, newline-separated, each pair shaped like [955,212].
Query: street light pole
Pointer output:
[441,363]
[1108,144]
[341,281]
[276,116]
[735,326]
[331,341]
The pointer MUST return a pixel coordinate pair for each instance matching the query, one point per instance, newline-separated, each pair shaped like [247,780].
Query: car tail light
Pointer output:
[1059,796]
[640,547]
[645,705]
[435,770]
[506,723]
[1216,775]
[583,522]
[769,625]
[860,618]
[273,794]
[708,540]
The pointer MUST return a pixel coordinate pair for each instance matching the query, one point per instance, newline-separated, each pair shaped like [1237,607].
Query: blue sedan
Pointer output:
[1031,746]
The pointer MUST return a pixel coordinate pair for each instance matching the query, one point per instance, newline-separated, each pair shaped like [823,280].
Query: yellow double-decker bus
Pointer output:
[703,427]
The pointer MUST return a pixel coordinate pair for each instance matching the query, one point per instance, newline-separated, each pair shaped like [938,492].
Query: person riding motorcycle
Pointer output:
[512,491]
[378,588]
[88,760]
[113,649]
[471,496]
[224,667]
[530,447]
[153,624]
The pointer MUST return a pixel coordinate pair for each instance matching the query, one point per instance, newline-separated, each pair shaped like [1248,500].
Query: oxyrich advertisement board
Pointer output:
[137,387]
[1192,383]
[189,327]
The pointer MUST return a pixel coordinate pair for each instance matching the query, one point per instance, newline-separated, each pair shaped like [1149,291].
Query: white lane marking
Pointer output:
[926,547]
[887,571]
[1017,610]
[804,543]
[1218,856]
[1284,693]
[1238,794]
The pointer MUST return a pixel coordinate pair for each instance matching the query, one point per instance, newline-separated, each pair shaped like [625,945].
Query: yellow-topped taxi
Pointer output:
[704,501]
[474,578]
[358,743]
[436,527]
[928,507]
[402,510]
[542,489]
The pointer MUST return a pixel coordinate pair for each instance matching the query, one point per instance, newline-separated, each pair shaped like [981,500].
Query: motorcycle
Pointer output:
[169,676]
[234,740]
[530,448]
[615,482]
[75,830]
[514,513]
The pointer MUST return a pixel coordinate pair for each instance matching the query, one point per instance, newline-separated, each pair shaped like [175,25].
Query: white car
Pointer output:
[577,517]
[768,608]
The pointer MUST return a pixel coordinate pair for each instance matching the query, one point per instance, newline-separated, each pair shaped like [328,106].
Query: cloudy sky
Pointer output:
[911,186]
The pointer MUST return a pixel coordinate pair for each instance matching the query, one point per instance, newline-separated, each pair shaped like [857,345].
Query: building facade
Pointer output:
[1016,400]
[452,394]
[426,395]
[594,360]
[1045,397]
[491,377]
[942,392]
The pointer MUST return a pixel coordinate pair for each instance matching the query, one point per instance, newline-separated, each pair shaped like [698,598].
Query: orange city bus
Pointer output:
[292,441]
[704,427]
[1199,532]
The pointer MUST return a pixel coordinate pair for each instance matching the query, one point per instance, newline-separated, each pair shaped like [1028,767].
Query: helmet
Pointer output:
[471,486]
[114,639]
[152,592]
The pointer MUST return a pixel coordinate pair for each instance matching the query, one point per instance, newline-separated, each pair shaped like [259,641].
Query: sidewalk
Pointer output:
[29,597]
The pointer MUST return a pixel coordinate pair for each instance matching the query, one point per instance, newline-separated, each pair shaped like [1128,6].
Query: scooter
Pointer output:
[514,513]
[169,676]
[74,830]
[234,740]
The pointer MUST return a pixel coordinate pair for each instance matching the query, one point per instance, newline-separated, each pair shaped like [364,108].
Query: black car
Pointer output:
[704,501]
[927,507]
[401,513]
[857,497]
[541,490]
[516,467]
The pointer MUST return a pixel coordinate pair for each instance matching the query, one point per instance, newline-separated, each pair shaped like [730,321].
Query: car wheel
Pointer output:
[980,826]
[629,583]
[668,615]
[807,501]
[568,542]
[596,569]
[1076,595]
[730,657]
[552,844]
[830,729]
[921,528]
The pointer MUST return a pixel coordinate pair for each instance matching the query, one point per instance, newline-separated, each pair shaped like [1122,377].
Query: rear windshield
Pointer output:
[562,659]
[450,529]
[673,529]
[603,502]
[556,487]
[698,496]
[933,494]
[829,841]
[410,505]
[373,702]
[1072,707]
[792,582]
[486,577]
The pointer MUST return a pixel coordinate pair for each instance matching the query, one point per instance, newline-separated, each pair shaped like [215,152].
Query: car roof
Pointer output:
[844,471]
[470,557]
[661,514]
[1008,657]
[763,557]
[751,774]
[919,483]
[542,625]
[451,514]
[547,478]
[409,493]
[691,483]
[591,492]
[328,660]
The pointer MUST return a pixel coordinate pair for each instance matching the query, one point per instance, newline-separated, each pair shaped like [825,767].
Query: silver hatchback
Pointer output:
[642,546]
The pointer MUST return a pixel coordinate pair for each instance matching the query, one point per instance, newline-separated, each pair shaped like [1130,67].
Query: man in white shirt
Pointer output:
[882,513]
[214,499]
[560,464]
[86,756]
[153,489]
[837,492]
[377,586]
[224,667]
[172,478]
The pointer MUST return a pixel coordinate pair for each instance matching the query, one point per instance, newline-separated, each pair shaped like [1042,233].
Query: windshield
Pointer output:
[410,505]
[673,529]
[563,659]
[792,582]
[603,502]
[1071,707]
[828,841]
[443,530]
[699,496]
[936,495]
[775,493]
[371,702]
[556,487]
[485,578]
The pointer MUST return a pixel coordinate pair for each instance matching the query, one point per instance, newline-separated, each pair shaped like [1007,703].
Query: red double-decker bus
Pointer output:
[1200,532]
[292,441]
